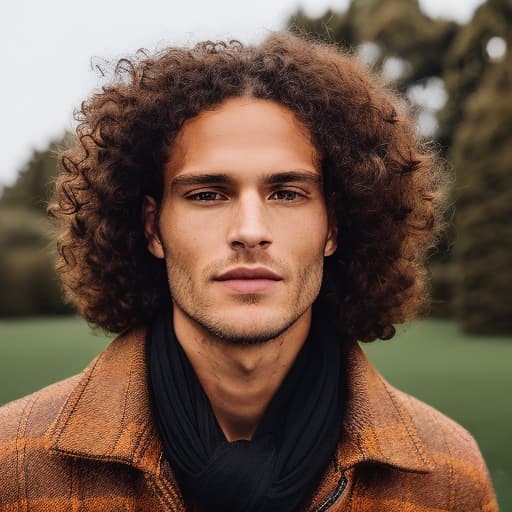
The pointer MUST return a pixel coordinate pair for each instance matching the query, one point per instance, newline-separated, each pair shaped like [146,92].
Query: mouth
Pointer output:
[249,280]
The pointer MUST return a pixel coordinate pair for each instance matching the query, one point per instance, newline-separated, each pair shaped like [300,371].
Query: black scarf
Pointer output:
[278,468]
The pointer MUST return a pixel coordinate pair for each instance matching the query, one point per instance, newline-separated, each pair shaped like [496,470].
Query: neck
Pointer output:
[239,380]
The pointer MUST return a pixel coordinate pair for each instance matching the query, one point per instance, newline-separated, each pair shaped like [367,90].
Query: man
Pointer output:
[242,216]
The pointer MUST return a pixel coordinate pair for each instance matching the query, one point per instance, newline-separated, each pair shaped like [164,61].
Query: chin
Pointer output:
[250,327]
[247,337]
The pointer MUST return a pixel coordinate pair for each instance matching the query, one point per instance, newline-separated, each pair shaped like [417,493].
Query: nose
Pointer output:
[249,227]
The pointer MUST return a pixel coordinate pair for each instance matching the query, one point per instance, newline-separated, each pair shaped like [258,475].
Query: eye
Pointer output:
[286,195]
[205,196]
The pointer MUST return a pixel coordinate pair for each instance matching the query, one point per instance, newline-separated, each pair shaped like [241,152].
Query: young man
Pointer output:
[242,216]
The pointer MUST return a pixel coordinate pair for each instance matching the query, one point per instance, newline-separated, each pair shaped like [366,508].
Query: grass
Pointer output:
[467,378]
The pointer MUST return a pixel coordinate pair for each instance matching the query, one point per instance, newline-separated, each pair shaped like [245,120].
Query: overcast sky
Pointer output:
[48,45]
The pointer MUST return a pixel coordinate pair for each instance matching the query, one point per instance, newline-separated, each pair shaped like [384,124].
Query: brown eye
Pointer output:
[205,196]
[286,195]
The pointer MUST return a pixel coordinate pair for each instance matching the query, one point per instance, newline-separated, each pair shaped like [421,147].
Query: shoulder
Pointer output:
[441,435]
[32,414]
[24,424]
[455,454]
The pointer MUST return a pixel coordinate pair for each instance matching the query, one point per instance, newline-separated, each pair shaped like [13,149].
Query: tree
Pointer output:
[467,61]
[27,277]
[482,156]
[32,188]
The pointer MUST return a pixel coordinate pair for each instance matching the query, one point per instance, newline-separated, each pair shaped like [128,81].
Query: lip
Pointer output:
[246,273]
[249,285]
[249,280]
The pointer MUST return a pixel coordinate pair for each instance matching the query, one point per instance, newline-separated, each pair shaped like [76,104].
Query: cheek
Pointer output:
[306,240]
[179,235]
[189,245]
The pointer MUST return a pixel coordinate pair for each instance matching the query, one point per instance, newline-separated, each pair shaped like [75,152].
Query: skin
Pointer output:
[243,212]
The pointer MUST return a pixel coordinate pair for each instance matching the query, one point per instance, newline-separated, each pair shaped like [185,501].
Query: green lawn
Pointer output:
[468,378]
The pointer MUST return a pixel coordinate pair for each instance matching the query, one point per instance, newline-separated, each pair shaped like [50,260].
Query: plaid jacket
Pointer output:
[89,444]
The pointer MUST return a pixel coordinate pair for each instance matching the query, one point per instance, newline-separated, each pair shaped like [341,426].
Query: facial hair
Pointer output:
[182,287]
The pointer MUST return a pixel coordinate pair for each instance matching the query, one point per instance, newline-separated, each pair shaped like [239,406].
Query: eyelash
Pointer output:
[297,194]
[196,196]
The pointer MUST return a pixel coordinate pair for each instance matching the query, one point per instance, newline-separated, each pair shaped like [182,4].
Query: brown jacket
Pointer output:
[89,444]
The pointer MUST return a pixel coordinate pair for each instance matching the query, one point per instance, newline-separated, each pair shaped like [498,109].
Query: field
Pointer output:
[467,378]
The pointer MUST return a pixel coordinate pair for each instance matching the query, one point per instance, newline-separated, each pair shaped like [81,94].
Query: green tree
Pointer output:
[27,277]
[482,156]
[32,188]
[467,61]
[27,256]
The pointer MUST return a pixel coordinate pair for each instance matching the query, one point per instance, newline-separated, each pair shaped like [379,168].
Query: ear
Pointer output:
[151,231]
[331,243]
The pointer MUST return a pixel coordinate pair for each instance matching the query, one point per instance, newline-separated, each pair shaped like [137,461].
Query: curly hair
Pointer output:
[381,182]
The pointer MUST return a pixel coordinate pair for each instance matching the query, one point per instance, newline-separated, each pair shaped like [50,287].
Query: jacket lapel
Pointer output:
[108,416]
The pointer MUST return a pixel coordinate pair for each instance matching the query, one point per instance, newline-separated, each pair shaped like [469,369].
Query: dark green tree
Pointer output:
[32,188]
[482,156]
[467,61]
[27,256]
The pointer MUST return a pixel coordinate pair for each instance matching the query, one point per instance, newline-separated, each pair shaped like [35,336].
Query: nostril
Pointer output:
[247,244]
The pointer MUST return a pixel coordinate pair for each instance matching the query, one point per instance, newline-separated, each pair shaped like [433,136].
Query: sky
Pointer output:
[48,46]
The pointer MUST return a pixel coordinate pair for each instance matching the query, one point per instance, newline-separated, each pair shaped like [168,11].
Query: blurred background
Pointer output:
[453,63]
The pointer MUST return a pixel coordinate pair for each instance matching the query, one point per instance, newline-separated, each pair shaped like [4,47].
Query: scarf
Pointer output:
[278,468]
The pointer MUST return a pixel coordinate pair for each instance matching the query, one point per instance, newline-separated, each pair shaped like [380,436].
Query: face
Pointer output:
[243,224]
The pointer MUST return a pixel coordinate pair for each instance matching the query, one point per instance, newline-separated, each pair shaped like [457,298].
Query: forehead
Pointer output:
[243,135]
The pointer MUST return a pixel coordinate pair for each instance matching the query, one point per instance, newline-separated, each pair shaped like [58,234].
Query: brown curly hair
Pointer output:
[381,183]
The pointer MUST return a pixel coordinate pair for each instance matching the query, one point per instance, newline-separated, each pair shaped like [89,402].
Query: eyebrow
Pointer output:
[271,179]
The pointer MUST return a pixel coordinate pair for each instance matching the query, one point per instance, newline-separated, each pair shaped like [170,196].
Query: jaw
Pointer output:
[239,352]
[247,323]
[245,319]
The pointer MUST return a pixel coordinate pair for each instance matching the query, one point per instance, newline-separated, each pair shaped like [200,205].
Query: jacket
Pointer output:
[89,443]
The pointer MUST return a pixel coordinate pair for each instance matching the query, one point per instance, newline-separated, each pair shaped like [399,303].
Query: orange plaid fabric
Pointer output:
[89,444]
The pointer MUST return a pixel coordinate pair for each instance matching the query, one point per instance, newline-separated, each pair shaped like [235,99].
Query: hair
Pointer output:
[381,182]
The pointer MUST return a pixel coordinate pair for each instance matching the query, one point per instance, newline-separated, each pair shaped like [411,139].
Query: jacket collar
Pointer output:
[376,426]
[107,416]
